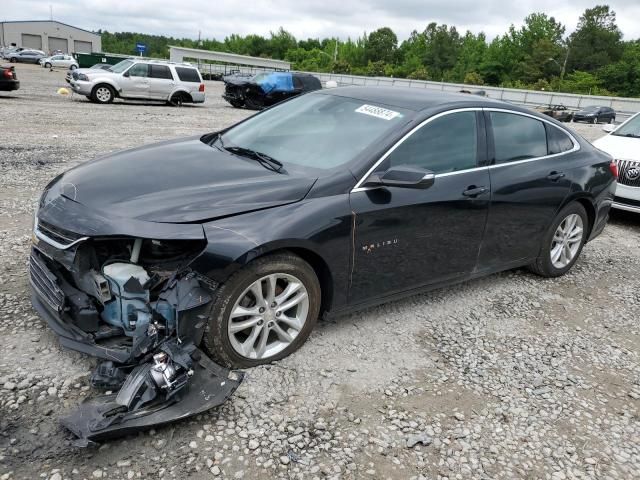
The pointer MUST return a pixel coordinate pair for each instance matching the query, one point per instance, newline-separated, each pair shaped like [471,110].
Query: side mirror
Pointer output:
[402,176]
[609,127]
[125,74]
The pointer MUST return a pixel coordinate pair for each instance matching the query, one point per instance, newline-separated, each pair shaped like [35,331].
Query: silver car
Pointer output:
[175,83]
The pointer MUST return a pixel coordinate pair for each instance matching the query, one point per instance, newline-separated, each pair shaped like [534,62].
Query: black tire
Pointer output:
[72,67]
[178,99]
[98,95]
[596,120]
[12,60]
[237,103]
[543,265]
[216,339]
[612,119]
[47,65]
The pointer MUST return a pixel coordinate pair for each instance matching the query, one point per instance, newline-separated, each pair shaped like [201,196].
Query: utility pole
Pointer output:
[335,52]
[564,64]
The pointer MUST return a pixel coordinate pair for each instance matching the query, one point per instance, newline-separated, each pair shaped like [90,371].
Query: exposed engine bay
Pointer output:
[136,304]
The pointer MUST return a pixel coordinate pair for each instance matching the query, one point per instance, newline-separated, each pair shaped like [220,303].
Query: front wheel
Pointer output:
[563,242]
[47,65]
[103,94]
[595,120]
[73,67]
[264,312]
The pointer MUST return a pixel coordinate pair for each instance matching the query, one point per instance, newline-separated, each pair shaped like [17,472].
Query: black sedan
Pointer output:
[595,114]
[8,79]
[330,202]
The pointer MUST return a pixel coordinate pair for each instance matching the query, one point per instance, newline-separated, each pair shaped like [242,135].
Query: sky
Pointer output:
[311,19]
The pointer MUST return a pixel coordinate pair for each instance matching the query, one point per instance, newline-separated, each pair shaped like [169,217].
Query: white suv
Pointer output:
[175,83]
[623,143]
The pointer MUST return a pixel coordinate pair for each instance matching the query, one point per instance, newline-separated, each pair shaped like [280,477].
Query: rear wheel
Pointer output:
[73,67]
[178,99]
[103,94]
[47,65]
[611,119]
[264,312]
[237,103]
[563,242]
[595,120]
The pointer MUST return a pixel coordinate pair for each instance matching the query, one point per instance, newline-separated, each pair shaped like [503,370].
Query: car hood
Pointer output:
[179,181]
[619,147]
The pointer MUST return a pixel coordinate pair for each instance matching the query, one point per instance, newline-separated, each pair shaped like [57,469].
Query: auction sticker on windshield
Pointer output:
[378,112]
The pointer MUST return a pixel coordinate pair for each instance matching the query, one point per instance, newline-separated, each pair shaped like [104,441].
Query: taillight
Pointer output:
[613,166]
[201,89]
[8,73]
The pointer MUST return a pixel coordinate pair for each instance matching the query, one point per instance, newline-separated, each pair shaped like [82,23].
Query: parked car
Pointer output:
[595,114]
[266,89]
[623,143]
[97,66]
[559,112]
[66,61]
[175,83]
[8,79]
[26,56]
[330,202]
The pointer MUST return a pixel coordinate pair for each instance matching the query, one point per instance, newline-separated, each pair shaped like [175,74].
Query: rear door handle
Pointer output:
[474,191]
[555,176]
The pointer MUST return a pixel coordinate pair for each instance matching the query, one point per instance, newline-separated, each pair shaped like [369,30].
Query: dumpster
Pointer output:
[86,60]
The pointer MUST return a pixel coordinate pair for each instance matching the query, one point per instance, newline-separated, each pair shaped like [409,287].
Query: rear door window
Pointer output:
[517,137]
[160,71]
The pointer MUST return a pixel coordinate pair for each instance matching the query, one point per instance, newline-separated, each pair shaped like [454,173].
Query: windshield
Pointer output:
[121,66]
[629,129]
[315,130]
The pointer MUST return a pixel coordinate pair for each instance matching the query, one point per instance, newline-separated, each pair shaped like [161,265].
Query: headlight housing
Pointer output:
[83,77]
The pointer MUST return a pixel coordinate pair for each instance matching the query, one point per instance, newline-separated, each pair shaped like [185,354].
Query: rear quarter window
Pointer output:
[557,140]
[188,74]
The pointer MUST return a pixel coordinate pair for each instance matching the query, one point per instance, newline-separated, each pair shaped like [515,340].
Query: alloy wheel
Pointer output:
[566,241]
[268,316]
[103,94]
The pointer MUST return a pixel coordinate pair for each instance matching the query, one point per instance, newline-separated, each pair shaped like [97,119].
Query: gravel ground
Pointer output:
[511,376]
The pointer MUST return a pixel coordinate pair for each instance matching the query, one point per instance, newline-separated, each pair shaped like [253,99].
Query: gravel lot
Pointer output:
[511,376]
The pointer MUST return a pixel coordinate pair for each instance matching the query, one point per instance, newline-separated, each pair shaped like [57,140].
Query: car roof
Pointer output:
[415,99]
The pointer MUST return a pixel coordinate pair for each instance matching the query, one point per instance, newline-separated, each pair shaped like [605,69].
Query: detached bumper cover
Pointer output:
[108,416]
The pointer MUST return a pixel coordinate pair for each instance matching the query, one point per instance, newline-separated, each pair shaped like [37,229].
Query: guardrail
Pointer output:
[623,106]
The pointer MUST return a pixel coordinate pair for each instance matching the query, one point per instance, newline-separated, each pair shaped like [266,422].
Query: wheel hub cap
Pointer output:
[566,241]
[268,316]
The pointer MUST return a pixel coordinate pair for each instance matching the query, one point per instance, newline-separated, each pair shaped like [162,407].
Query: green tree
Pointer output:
[443,45]
[597,40]
[381,46]
[473,78]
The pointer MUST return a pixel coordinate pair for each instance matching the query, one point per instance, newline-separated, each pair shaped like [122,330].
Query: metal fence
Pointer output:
[532,98]
[624,107]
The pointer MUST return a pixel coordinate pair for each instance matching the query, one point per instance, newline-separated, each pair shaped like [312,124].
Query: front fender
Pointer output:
[322,227]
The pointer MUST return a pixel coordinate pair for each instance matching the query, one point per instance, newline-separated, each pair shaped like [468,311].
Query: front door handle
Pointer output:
[474,191]
[555,176]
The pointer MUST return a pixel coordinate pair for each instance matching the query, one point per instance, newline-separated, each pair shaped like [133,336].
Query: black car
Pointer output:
[595,114]
[237,241]
[8,79]
[267,89]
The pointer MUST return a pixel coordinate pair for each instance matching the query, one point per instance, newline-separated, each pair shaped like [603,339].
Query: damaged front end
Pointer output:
[136,304]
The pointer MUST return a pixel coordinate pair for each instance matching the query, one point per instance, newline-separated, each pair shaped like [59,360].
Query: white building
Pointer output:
[49,36]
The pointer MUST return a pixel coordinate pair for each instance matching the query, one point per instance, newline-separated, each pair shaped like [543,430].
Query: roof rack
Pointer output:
[159,60]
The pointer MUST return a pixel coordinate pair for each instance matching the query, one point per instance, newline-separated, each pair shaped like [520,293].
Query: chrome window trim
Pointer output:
[576,145]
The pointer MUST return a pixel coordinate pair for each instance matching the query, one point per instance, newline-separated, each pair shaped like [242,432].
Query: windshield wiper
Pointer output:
[264,159]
